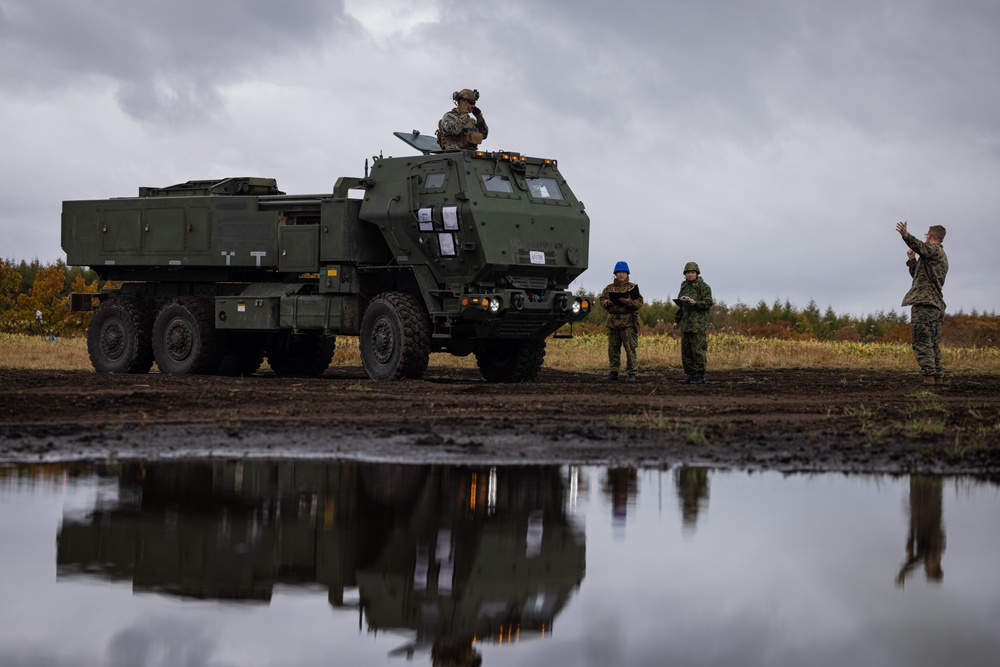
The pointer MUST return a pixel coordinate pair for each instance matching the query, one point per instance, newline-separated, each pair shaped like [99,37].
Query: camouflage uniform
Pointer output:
[927,301]
[462,130]
[623,328]
[693,321]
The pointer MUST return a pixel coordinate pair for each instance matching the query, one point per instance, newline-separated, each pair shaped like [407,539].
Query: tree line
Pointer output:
[29,288]
[782,319]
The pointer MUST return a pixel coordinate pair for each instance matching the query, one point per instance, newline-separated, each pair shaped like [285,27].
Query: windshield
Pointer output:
[544,188]
[497,183]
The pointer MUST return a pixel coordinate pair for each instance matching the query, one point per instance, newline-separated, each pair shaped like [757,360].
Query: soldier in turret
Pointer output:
[694,302]
[463,126]
[622,300]
[926,299]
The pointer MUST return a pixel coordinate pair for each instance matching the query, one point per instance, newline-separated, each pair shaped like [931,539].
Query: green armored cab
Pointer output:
[466,252]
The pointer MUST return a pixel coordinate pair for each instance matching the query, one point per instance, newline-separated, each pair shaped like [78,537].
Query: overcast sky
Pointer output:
[775,142]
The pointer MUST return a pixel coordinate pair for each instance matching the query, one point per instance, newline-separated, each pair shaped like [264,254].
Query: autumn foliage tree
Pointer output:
[10,282]
[46,293]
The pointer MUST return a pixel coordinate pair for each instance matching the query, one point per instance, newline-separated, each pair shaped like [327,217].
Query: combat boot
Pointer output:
[697,381]
[930,379]
[611,377]
[630,378]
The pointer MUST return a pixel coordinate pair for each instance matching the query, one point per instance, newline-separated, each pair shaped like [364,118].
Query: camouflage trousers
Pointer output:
[925,337]
[629,339]
[694,353]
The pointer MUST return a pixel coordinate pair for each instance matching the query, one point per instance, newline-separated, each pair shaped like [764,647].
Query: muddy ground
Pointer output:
[790,420]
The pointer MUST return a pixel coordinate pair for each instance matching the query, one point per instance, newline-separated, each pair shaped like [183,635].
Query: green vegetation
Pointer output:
[796,337]
[655,420]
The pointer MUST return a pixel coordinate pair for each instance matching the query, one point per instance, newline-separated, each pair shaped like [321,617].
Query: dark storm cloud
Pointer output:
[167,57]
[745,68]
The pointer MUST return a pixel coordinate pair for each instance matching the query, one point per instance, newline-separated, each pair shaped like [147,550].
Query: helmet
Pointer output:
[621,266]
[692,266]
[465,94]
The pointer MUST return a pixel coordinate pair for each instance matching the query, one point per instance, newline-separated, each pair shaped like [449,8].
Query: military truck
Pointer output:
[462,251]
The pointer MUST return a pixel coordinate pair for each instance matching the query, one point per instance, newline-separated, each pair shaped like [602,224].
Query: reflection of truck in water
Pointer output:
[465,252]
[450,553]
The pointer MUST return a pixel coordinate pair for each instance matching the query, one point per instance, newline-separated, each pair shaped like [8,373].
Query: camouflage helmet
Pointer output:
[692,266]
[465,94]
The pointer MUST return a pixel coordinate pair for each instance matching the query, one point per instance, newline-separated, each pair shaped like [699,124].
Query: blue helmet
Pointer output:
[621,266]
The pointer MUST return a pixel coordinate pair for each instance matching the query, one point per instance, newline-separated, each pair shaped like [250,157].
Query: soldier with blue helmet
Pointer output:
[622,300]
[694,302]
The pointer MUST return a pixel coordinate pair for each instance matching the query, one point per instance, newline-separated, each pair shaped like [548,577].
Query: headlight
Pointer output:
[495,305]
[577,306]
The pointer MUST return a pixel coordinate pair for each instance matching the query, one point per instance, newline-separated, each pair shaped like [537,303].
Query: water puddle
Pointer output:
[344,563]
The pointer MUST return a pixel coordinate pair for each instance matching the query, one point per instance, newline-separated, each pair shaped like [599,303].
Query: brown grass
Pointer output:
[588,353]
[35,352]
[730,352]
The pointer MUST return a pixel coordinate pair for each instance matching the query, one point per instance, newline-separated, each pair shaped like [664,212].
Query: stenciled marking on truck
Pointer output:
[229,254]
[542,245]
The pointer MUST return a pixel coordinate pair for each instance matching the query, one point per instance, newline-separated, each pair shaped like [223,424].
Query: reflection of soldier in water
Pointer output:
[925,541]
[621,485]
[692,489]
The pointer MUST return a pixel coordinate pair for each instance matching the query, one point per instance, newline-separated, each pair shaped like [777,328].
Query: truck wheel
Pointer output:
[184,337]
[118,337]
[510,360]
[395,337]
[302,355]
[243,355]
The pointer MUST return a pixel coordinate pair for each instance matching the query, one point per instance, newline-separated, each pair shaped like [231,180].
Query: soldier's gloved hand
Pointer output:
[476,111]
[476,137]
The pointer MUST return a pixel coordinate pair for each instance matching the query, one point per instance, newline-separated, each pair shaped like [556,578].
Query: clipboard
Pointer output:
[617,297]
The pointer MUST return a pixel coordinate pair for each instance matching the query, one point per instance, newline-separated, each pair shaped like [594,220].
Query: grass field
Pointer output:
[588,352]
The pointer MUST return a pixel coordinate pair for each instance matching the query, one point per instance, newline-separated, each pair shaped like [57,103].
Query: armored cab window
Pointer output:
[544,188]
[434,181]
[497,183]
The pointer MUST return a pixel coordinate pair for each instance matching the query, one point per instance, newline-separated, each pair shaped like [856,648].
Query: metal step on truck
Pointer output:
[460,251]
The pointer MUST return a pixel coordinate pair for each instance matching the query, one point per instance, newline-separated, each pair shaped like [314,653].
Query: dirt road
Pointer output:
[795,420]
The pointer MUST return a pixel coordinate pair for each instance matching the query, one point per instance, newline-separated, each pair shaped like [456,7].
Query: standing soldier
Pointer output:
[463,126]
[926,298]
[622,301]
[694,301]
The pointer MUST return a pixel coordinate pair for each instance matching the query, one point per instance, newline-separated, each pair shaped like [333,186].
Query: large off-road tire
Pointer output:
[185,341]
[301,355]
[243,354]
[395,337]
[510,360]
[119,337]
